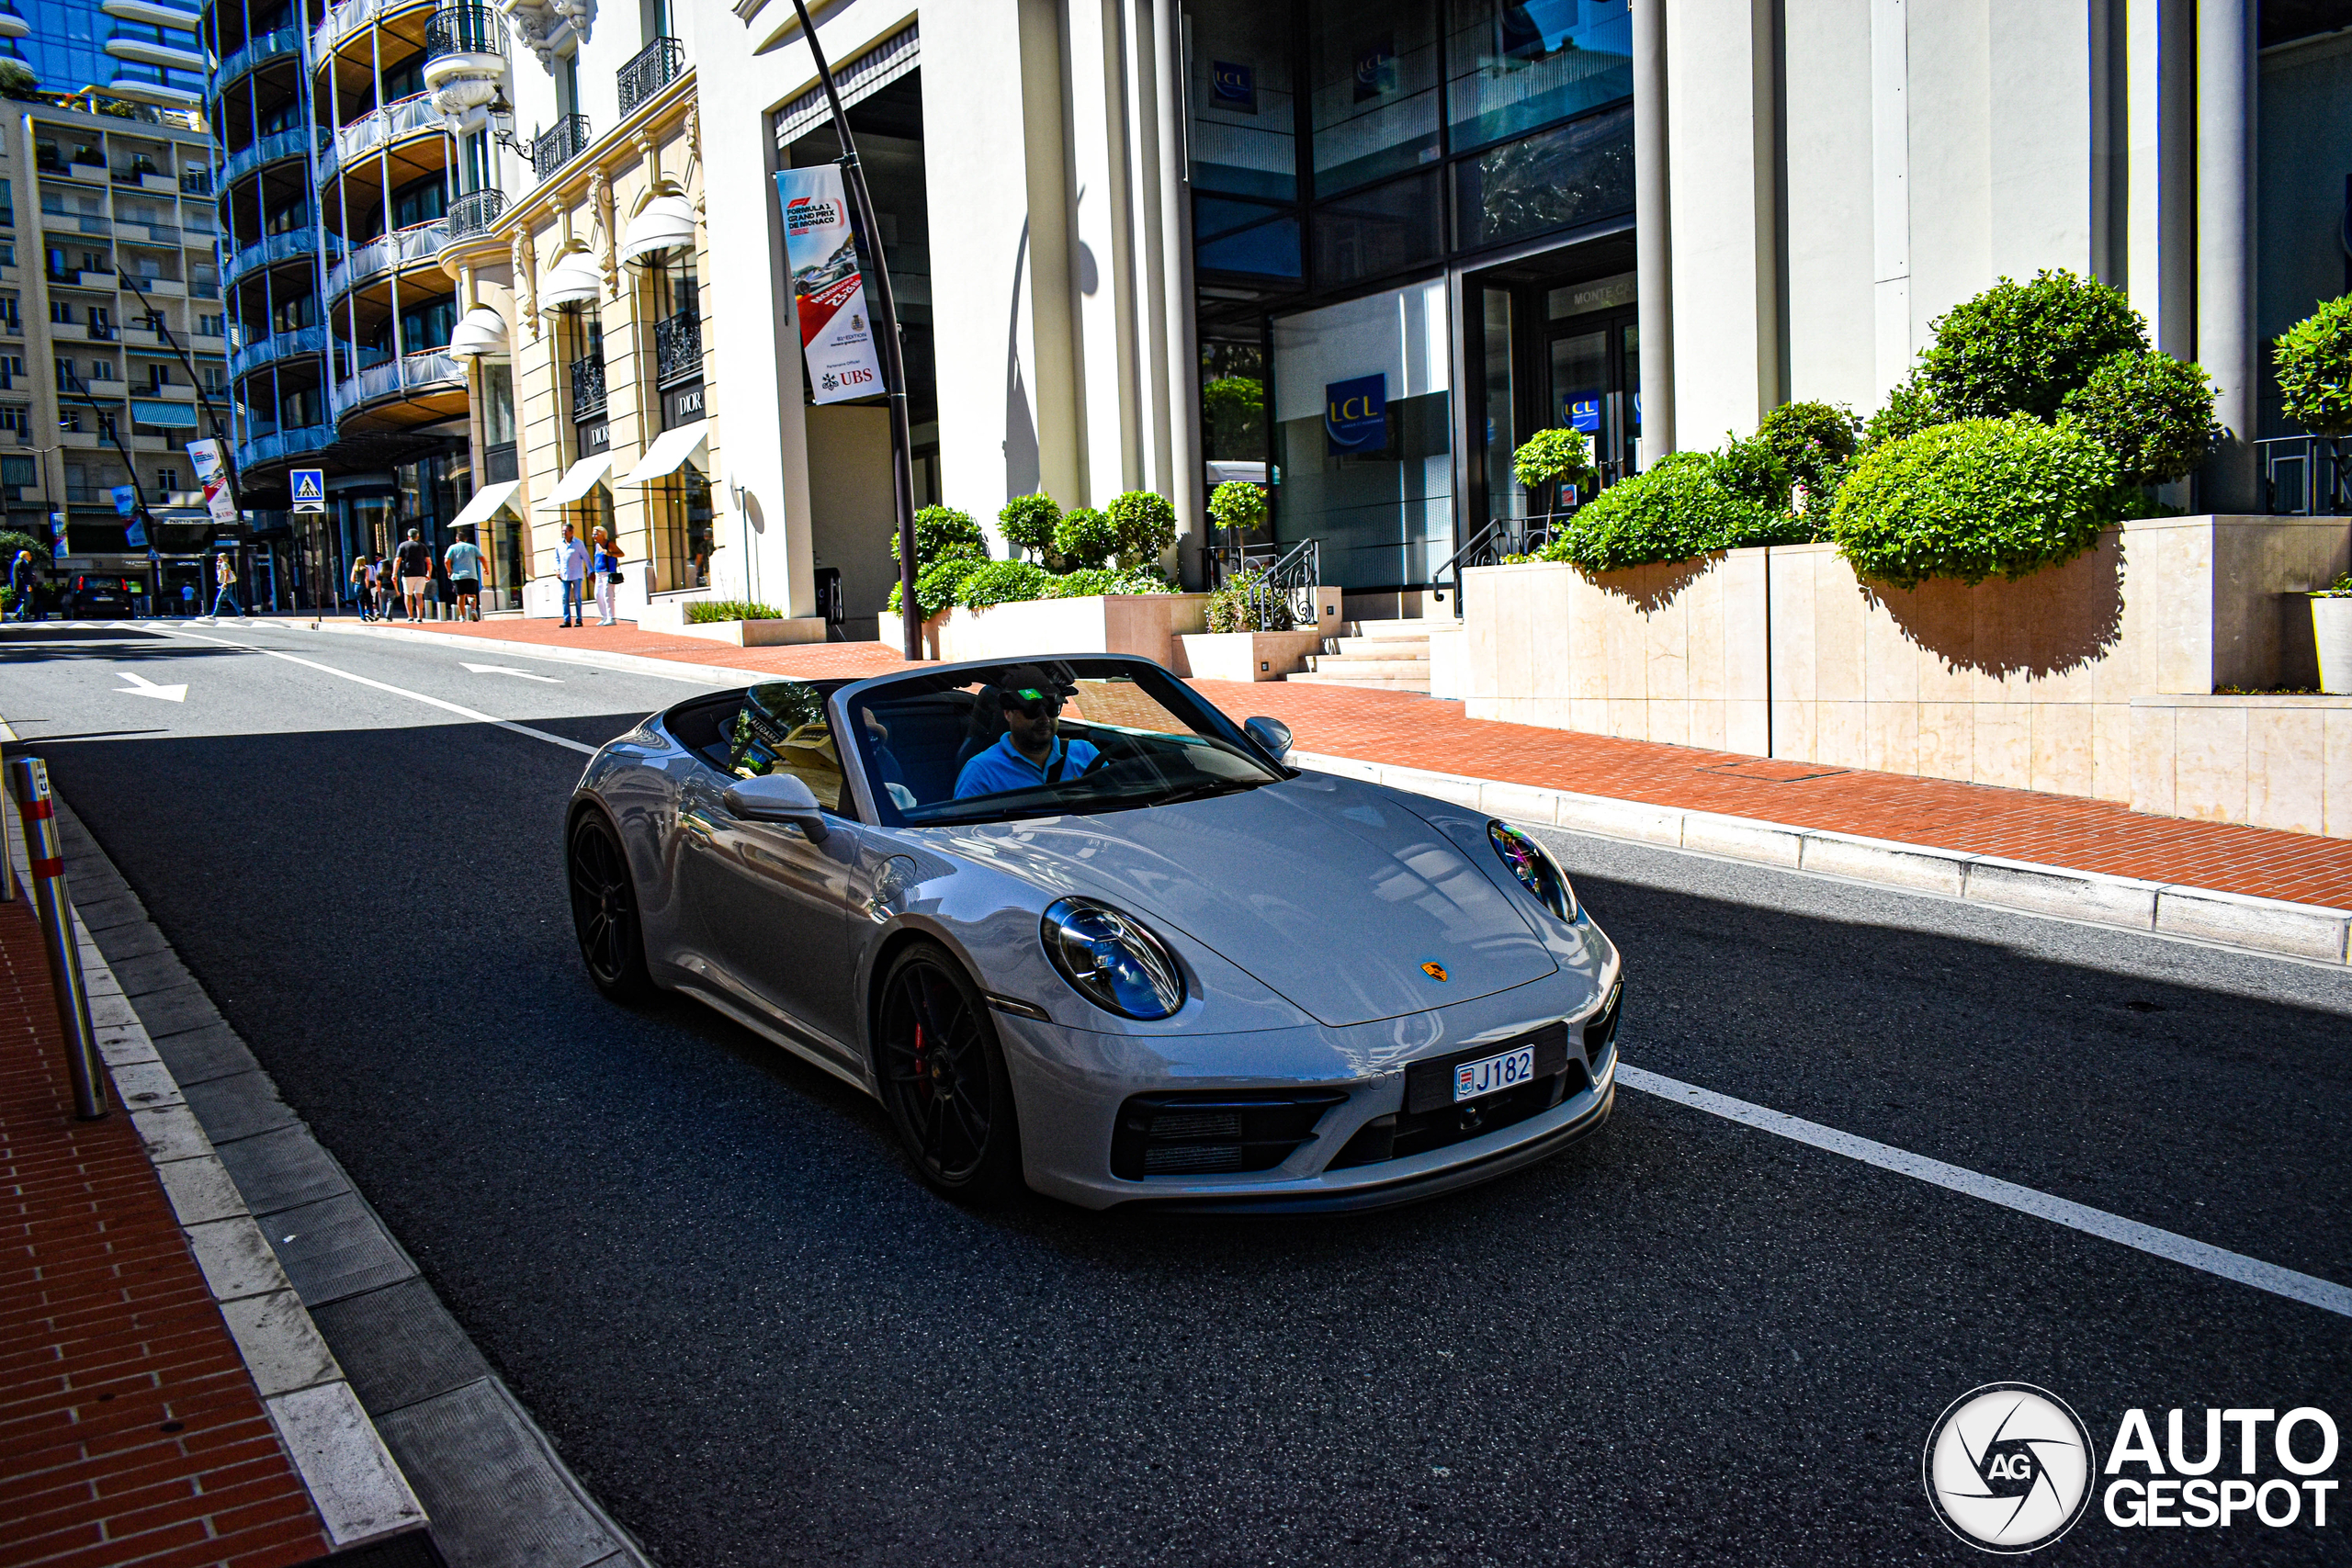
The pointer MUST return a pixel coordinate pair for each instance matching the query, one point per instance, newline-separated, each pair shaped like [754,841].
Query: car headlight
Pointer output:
[1536,870]
[1113,960]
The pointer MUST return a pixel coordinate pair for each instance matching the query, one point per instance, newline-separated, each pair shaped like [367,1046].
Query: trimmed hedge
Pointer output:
[1086,537]
[1975,499]
[2153,414]
[1146,525]
[1004,582]
[2314,362]
[1028,521]
[1679,508]
[2021,347]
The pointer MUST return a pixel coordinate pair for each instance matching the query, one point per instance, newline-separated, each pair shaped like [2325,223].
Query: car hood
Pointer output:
[1327,892]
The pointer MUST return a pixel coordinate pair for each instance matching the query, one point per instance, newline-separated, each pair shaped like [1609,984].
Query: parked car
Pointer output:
[1073,926]
[93,598]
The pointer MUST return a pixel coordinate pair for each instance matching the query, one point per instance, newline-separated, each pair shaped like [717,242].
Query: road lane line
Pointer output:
[458,709]
[2307,1288]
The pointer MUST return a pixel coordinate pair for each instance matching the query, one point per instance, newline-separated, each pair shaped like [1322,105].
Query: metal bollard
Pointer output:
[29,782]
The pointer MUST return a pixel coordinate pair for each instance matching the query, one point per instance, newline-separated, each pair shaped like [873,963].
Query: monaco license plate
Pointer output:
[1473,1080]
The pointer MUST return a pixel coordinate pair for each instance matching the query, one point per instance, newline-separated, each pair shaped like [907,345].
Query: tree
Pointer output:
[2021,347]
[2314,361]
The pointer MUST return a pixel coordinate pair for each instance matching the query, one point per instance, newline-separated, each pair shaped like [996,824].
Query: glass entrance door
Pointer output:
[1596,368]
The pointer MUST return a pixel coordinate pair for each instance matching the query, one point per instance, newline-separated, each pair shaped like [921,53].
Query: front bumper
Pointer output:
[1071,1090]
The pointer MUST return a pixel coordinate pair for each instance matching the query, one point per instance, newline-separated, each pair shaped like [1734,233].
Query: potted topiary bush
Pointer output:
[2332,630]
[2314,363]
[1557,458]
[1028,521]
[1146,525]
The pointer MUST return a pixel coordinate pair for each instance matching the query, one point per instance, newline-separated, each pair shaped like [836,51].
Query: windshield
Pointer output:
[982,744]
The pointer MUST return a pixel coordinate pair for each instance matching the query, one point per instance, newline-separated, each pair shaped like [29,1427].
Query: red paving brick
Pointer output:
[1422,732]
[110,1334]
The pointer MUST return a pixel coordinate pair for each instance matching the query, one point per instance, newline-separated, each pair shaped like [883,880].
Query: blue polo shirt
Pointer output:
[1000,768]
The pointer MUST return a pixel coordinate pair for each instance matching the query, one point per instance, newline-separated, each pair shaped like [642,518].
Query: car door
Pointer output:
[771,907]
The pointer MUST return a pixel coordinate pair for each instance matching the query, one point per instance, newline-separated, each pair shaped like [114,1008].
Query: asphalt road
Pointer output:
[706,1269]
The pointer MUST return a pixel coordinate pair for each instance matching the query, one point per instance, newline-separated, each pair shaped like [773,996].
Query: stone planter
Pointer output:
[1245,656]
[2331,630]
[1145,625]
[773,632]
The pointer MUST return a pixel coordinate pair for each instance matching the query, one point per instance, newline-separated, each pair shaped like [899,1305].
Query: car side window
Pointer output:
[782,728]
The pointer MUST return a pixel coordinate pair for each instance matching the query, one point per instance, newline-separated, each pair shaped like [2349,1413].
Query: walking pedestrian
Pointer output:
[360,577]
[571,563]
[464,561]
[605,562]
[225,576]
[24,577]
[416,573]
[379,585]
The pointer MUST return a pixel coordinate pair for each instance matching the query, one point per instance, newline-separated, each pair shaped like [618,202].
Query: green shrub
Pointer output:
[1146,525]
[1238,503]
[2021,347]
[1028,521]
[702,612]
[1814,443]
[1086,537]
[1249,604]
[1752,471]
[1676,509]
[1107,579]
[1910,408]
[14,539]
[2153,414]
[1974,499]
[939,533]
[938,583]
[2314,362]
[1552,456]
[1004,582]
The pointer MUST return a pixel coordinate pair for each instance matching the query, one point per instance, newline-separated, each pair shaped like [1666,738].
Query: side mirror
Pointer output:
[778,798]
[1271,733]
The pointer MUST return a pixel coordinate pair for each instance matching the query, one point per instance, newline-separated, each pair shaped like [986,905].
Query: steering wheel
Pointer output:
[1102,760]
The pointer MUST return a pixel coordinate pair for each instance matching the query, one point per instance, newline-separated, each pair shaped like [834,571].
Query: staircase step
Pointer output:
[1352,668]
[1365,683]
[1387,647]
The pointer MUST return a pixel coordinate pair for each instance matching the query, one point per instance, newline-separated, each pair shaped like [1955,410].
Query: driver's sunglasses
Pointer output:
[1033,704]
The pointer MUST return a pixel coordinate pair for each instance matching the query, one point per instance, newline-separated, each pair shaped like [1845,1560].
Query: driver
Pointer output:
[1029,753]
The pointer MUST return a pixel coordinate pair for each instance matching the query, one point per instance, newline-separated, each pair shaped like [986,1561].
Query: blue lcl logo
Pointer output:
[1355,415]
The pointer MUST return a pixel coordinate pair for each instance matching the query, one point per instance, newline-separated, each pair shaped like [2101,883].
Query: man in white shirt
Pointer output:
[572,566]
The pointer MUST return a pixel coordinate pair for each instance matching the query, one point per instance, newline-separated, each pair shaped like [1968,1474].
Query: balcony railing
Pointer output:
[297,143]
[296,441]
[464,29]
[677,347]
[57,218]
[269,46]
[377,128]
[277,345]
[587,388]
[275,248]
[425,369]
[100,332]
[553,148]
[418,242]
[652,68]
[474,213]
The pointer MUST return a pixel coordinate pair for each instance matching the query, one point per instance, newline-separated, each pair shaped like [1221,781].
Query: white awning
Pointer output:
[666,224]
[671,449]
[486,504]
[481,331]
[572,280]
[579,479]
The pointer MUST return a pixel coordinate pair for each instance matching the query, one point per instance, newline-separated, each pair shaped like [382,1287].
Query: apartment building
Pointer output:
[141,52]
[112,338]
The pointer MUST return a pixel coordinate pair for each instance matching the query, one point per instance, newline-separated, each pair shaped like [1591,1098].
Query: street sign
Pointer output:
[134,534]
[310,489]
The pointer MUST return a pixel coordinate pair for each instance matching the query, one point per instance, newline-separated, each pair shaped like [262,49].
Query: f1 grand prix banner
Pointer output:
[828,290]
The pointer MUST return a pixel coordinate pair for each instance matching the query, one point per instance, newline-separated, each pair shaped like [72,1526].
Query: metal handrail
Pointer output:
[277,345]
[553,148]
[382,127]
[1278,583]
[475,213]
[464,29]
[677,347]
[298,442]
[417,242]
[649,70]
[1501,537]
[297,143]
[257,52]
[587,388]
[2306,476]
[274,248]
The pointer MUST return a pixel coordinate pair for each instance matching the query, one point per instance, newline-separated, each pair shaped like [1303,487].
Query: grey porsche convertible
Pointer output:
[1074,927]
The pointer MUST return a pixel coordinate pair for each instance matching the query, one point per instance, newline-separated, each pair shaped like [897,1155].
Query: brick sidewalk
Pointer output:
[1422,732]
[129,1429]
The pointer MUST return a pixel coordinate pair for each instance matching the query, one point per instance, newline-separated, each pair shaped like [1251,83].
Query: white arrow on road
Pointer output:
[141,687]
[509,670]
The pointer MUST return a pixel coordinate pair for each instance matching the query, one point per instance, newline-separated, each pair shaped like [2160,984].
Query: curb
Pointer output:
[355,1487]
[358,1362]
[2309,932]
[594,657]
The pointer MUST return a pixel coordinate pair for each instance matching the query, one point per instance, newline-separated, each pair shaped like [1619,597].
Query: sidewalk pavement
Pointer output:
[130,1431]
[1404,730]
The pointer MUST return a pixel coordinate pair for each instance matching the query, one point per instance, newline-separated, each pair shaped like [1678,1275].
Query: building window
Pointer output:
[168,480]
[18,420]
[1514,65]
[1576,173]
[1244,140]
[1374,233]
[1373,91]
[61,312]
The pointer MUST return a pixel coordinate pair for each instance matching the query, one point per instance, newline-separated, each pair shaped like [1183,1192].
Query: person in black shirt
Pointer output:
[416,573]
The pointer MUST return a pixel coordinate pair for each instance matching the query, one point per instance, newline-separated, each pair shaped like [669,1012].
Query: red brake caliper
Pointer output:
[921,1076]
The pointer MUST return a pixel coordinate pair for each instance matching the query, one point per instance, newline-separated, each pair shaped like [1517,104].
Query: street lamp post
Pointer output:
[894,367]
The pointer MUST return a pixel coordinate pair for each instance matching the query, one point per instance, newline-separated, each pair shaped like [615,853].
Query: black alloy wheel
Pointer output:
[944,1078]
[604,911]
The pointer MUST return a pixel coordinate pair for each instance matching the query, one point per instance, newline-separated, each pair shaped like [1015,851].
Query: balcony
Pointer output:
[552,149]
[58,220]
[295,244]
[342,21]
[138,232]
[285,41]
[277,347]
[652,68]
[298,143]
[587,388]
[418,242]
[402,118]
[476,212]
[99,331]
[276,445]
[427,369]
[677,347]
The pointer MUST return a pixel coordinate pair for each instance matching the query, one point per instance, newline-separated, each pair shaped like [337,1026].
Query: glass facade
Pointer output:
[1346,155]
[67,49]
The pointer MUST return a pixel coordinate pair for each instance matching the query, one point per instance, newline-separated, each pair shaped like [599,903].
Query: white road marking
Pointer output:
[458,709]
[509,670]
[2309,1288]
[141,687]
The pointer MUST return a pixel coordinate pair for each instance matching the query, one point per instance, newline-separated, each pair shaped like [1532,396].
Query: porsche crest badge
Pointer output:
[1433,969]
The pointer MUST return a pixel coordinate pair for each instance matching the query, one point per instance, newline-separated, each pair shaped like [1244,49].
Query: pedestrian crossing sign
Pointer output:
[310,489]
